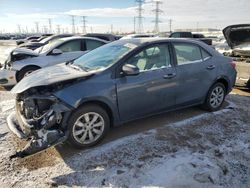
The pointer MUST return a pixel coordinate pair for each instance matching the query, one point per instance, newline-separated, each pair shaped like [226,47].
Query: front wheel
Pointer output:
[87,126]
[215,97]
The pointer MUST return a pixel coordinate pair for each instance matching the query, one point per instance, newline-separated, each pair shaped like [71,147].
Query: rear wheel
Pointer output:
[25,71]
[87,126]
[215,97]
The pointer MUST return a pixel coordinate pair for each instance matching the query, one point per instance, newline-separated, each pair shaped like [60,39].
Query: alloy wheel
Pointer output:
[217,97]
[88,128]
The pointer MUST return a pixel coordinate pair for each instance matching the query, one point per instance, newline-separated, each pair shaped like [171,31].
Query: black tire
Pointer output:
[22,73]
[208,104]
[72,138]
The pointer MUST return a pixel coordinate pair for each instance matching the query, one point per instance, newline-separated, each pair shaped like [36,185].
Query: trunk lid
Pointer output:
[237,35]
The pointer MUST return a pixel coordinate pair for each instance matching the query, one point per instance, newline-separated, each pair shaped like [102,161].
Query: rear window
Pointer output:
[187,53]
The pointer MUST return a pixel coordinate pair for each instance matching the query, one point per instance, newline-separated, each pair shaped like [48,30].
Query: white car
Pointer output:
[22,62]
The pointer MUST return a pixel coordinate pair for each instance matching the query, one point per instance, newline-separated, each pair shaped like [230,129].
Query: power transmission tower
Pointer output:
[50,25]
[84,31]
[157,11]
[73,23]
[139,16]
[37,27]
[170,25]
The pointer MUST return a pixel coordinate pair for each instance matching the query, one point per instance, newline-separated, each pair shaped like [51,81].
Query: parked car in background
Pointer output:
[41,38]
[35,45]
[103,36]
[131,36]
[21,41]
[118,82]
[238,39]
[190,35]
[22,62]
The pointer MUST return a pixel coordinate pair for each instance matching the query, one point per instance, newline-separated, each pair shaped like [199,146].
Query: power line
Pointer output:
[157,11]
[139,16]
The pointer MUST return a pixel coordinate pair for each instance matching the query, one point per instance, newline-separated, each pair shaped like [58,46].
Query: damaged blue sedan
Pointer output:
[80,101]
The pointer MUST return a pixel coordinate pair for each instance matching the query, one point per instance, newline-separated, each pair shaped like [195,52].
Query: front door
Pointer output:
[153,90]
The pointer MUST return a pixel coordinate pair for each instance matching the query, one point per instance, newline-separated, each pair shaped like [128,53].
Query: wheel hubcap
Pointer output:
[88,128]
[217,97]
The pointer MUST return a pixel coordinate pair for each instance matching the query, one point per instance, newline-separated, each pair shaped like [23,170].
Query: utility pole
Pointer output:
[37,27]
[45,29]
[84,31]
[157,11]
[58,29]
[111,28]
[139,16]
[19,28]
[170,25]
[50,25]
[73,23]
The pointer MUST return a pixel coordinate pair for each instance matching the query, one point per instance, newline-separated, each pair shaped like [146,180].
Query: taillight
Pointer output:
[233,64]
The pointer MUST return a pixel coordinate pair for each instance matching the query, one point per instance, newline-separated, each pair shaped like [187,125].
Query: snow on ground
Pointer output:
[208,150]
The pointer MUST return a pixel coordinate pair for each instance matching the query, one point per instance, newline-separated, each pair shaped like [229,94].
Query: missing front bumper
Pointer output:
[42,133]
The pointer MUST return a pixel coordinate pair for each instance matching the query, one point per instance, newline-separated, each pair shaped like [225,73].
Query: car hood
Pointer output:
[237,35]
[49,75]
[19,51]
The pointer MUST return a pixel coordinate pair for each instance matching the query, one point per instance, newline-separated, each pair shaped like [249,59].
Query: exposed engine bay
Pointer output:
[38,119]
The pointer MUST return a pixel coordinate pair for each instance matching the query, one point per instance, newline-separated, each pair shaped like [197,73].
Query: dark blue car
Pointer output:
[122,81]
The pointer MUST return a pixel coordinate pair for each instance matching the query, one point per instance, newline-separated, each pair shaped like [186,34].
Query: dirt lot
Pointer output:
[186,148]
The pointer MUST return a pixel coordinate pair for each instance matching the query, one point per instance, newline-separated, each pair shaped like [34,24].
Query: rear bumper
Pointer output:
[7,77]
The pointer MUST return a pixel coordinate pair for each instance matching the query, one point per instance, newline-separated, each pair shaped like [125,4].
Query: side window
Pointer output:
[71,46]
[205,55]
[93,44]
[175,35]
[187,53]
[151,58]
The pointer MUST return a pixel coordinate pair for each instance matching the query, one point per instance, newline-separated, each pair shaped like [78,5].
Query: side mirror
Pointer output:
[56,52]
[130,70]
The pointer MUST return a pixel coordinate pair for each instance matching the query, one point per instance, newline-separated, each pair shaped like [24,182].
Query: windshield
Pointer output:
[103,57]
[47,47]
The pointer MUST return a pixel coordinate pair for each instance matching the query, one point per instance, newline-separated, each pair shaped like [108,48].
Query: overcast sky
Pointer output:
[102,13]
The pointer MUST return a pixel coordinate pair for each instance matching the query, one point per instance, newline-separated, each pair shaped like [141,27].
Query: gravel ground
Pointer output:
[206,150]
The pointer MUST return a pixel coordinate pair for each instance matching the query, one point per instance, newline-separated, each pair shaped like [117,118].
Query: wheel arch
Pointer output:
[103,105]
[26,67]
[225,81]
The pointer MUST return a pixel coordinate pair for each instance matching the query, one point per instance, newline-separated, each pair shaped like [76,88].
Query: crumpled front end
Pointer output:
[39,119]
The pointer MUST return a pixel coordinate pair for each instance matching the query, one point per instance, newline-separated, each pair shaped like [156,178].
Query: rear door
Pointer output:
[196,72]
[153,90]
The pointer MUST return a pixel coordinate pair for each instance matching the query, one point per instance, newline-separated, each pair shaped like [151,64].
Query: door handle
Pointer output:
[211,67]
[168,76]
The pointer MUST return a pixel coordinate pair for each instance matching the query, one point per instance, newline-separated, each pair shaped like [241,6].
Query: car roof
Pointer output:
[79,37]
[142,41]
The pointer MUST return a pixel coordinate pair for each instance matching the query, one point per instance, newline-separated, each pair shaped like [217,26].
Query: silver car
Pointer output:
[22,62]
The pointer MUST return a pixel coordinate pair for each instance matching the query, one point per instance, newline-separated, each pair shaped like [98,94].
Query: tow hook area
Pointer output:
[44,139]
